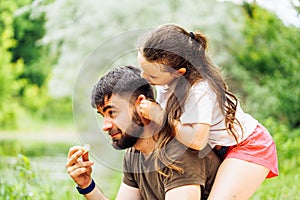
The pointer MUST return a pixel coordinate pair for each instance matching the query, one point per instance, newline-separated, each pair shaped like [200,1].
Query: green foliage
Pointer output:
[29,28]
[58,108]
[45,149]
[296,6]
[287,141]
[14,147]
[264,71]
[34,98]
[286,185]
[43,107]
[111,185]
[11,147]
[269,61]
[30,184]
[25,66]
[9,86]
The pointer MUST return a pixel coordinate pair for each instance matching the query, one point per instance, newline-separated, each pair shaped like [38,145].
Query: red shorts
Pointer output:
[258,148]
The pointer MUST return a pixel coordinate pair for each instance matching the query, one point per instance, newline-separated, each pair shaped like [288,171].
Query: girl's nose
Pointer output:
[143,75]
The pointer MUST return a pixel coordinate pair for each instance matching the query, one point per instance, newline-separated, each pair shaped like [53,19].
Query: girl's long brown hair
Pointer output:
[173,46]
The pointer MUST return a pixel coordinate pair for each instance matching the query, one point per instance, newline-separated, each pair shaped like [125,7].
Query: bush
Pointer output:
[31,184]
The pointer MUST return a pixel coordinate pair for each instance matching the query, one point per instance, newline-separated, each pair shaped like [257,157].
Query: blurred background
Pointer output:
[44,46]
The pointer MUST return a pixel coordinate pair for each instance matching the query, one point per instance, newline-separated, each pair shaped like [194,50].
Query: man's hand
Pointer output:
[152,111]
[79,167]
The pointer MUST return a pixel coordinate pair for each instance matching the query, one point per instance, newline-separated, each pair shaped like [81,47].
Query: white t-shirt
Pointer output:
[201,106]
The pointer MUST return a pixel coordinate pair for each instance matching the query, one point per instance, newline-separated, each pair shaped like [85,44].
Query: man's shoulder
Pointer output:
[197,167]
[175,148]
[182,156]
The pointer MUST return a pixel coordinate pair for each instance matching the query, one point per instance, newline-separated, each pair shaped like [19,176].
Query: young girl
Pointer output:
[194,98]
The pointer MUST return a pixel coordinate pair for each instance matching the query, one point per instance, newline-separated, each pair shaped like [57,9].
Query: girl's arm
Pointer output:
[194,136]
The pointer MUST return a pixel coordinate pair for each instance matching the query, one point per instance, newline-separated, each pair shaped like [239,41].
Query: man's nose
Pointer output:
[107,124]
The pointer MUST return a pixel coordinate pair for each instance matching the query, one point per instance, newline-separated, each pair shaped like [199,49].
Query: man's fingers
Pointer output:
[77,172]
[79,167]
[73,149]
[144,108]
[73,158]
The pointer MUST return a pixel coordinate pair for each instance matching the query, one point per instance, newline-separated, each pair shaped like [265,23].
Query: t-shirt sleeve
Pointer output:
[128,180]
[128,176]
[199,105]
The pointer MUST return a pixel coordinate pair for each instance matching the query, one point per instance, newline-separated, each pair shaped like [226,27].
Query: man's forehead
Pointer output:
[115,101]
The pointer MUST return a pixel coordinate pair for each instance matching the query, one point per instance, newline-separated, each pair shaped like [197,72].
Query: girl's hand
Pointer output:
[177,125]
[152,111]
[79,167]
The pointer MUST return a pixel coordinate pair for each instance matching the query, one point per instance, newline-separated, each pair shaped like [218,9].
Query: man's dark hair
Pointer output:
[125,80]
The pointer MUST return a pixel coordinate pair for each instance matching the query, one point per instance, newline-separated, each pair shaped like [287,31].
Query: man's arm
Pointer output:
[127,192]
[187,192]
[95,194]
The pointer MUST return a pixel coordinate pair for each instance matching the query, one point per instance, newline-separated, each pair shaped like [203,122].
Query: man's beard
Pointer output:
[131,134]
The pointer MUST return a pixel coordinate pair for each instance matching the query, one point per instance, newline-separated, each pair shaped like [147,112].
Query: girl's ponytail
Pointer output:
[201,39]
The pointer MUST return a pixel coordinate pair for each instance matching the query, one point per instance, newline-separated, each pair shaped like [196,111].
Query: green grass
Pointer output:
[19,180]
[285,186]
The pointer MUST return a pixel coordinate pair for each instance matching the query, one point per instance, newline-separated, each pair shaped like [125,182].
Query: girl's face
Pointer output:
[154,73]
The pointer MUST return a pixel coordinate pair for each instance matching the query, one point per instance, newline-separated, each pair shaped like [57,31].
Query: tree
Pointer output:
[75,28]
[9,87]
[28,29]
[28,26]
[269,60]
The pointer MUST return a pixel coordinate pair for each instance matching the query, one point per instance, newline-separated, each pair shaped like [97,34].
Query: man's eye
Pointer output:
[112,113]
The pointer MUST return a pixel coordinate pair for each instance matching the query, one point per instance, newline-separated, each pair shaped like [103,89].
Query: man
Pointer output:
[172,172]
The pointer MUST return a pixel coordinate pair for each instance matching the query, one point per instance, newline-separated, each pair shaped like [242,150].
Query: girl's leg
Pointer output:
[237,179]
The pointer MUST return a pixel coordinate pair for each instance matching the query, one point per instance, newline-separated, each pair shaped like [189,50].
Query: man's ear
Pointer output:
[138,102]
[139,99]
[181,71]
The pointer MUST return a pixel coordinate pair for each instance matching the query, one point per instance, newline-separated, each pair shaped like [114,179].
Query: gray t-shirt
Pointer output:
[199,168]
